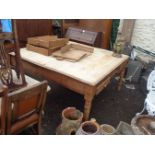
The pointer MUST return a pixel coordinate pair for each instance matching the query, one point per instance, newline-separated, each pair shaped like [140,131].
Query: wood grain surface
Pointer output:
[91,69]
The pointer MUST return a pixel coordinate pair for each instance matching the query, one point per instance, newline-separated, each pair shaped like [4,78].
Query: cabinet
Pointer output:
[32,27]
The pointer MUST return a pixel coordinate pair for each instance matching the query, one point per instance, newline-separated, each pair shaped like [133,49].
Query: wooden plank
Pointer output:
[71,55]
[73,52]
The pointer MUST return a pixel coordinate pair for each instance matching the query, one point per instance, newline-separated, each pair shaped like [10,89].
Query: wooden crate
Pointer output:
[51,42]
[45,45]
[41,50]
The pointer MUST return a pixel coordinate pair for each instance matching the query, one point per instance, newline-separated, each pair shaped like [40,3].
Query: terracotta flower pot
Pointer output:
[89,128]
[71,120]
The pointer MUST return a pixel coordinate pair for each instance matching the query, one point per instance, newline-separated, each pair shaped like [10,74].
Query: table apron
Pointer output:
[103,84]
[59,78]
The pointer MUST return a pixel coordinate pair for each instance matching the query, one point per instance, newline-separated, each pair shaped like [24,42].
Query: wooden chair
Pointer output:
[9,44]
[3,101]
[24,108]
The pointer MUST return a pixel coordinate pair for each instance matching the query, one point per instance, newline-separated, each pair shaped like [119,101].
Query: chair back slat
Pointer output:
[25,102]
[6,36]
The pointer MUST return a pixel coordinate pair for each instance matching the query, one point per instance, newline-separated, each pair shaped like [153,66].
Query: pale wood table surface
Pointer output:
[89,76]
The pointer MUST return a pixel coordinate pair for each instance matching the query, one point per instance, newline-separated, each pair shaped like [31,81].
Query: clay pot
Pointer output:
[89,128]
[71,120]
[107,129]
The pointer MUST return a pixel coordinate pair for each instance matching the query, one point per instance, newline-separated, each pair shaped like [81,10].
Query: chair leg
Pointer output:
[36,129]
[39,128]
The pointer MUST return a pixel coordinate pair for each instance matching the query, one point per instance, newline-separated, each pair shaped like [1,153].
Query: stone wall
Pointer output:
[144,34]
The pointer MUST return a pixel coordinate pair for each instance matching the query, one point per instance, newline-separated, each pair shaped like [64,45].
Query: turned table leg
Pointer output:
[87,106]
[121,79]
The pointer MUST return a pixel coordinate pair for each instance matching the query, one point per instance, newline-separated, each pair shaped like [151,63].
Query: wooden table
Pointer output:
[88,77]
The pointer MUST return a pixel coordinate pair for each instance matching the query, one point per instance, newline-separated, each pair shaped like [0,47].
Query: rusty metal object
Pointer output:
[71,120]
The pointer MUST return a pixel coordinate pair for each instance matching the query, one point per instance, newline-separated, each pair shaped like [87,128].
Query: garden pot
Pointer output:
[71,120]
[89,128]
[107,129]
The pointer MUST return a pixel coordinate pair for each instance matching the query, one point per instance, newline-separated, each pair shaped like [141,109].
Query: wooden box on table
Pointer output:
[46,45]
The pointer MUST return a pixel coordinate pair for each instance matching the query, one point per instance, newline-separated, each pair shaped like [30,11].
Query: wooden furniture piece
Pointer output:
[24,108]
[0,27]
[3,101]
[9,43]
[73,52]
[66,23]
[45,45]
[104,26]
[32,27]
[84,36]
[99,25]
[87,77]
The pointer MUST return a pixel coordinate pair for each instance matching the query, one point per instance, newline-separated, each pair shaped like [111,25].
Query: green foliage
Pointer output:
[115,25]
[57,22]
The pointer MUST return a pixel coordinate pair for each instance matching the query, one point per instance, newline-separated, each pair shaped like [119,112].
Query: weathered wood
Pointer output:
[73,52]
[31,28]
[3,101]
[45,45]
[87,77]
[24,108]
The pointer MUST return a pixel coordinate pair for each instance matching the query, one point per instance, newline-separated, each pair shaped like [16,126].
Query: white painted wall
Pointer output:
[120,25]
[144,34]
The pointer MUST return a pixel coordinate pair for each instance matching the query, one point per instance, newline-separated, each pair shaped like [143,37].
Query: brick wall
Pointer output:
[144,34]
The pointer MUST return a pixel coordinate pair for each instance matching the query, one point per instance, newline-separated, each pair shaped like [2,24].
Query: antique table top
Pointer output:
[90,70]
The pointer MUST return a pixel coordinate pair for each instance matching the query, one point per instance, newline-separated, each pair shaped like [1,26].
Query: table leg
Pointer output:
[121,79]
[87,106]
